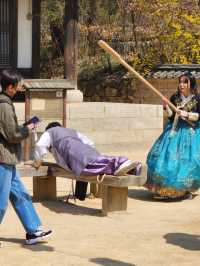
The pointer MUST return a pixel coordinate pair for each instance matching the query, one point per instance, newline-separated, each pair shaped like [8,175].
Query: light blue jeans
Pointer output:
[12,188]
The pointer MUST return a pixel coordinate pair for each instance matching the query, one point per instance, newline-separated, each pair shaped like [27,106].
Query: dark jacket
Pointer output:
[11,134]
[193,105]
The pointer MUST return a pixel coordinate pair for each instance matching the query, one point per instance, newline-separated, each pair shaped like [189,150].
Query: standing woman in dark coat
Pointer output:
[174,160]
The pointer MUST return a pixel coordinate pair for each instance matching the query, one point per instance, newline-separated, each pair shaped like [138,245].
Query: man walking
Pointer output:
[11,187]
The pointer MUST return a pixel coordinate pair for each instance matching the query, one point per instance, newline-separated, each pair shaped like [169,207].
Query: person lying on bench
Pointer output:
[74,151]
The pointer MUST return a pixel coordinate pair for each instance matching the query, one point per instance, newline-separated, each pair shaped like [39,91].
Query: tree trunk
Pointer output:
[71,39]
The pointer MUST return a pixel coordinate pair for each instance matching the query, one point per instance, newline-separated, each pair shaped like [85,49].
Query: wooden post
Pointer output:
[64,109]
[70,46]
[36,11]
[44,188]
[27,117]
[114,199]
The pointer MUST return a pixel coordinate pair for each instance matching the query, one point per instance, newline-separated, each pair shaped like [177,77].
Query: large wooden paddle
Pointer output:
[119,59]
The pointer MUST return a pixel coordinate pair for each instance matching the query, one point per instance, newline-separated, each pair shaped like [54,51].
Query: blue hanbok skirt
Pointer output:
[174,161]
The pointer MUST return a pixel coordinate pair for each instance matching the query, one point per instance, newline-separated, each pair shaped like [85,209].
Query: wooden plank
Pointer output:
[109,180]
[114,199]
[53,169]
[29,171]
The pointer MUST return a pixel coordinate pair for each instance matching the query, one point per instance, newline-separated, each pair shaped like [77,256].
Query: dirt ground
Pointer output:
[149,233]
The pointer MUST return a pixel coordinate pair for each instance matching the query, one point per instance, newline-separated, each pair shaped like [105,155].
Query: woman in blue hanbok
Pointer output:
[174,160]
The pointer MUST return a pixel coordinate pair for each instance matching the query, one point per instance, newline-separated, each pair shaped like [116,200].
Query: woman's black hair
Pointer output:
[192,79]
[53,124]
[9,77]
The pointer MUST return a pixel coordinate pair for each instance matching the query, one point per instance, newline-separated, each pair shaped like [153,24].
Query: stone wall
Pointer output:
[127,90]
[110,123]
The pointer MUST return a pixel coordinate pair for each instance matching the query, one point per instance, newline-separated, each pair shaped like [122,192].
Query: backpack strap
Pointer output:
[4,101]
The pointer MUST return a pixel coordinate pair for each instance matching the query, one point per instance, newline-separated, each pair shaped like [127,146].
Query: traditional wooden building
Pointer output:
[165,79]
[20,49]
[20,36]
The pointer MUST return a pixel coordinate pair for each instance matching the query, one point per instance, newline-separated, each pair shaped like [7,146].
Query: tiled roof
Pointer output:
[168,71]
[50,84]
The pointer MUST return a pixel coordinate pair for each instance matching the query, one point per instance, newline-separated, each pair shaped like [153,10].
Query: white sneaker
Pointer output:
[125,168]
[38,236]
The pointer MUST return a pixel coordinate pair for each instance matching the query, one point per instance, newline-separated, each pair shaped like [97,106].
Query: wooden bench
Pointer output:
[114,188]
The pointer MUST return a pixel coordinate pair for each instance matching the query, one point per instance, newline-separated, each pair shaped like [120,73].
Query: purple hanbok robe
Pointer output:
[72,154]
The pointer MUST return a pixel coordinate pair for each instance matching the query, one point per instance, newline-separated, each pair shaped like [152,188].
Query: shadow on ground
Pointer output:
[61,206]
[145,195]
[140,194]
[110,262]
[186,241]
[36,247]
